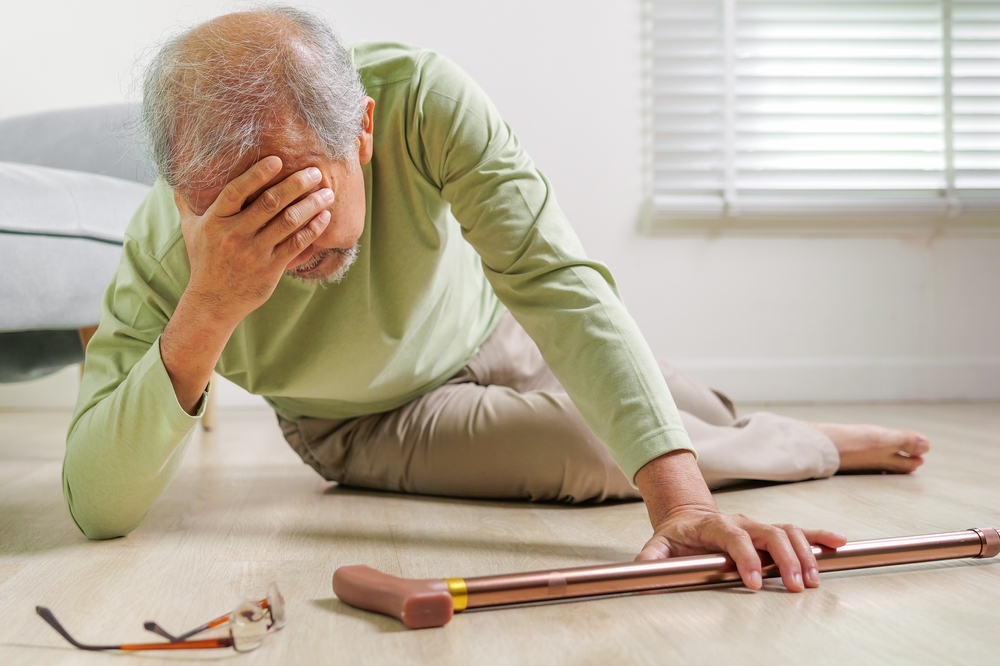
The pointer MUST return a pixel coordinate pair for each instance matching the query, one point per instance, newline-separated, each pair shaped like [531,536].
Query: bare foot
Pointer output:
[868,448]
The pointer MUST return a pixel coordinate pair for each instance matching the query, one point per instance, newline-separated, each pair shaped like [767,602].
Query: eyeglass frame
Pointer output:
[254,611]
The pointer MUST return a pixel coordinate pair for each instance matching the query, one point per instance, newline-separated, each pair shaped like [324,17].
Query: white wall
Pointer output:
[783,318]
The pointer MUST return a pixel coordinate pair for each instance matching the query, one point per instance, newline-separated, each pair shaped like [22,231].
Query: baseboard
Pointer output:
[58,391]
[850,379]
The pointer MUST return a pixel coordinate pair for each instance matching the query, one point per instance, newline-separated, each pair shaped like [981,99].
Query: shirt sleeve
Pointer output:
[568,304]
[128,433]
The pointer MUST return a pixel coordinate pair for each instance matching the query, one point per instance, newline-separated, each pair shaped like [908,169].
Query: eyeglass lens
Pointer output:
[276,606]
[247,626]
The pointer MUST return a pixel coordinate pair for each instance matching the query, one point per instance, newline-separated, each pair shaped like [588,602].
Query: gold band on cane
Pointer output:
[459,593]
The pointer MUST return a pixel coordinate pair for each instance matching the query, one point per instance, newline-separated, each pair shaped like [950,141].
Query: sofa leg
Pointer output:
[86,333]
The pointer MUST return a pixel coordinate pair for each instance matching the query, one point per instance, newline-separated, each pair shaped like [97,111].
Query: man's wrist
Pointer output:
[190,346]
[672,482]
[207,312]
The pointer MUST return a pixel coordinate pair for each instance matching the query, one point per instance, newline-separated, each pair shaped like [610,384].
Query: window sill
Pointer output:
[973,223]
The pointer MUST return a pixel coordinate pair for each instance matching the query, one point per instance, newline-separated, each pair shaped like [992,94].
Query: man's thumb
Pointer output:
[656,548]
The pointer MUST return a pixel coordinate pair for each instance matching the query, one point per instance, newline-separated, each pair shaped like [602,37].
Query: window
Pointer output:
[875,114]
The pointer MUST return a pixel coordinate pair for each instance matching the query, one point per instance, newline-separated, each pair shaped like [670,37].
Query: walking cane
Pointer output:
[431,602]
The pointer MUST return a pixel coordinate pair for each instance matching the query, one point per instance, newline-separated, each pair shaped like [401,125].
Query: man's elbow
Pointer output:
[99,528]
[99,523]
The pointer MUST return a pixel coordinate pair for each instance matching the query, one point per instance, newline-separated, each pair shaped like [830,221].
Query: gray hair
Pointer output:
[208,97]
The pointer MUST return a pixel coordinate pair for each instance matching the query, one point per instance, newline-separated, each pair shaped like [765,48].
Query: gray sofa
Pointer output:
[69,183]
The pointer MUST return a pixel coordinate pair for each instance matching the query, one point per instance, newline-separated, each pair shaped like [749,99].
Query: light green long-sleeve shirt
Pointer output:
[460,224]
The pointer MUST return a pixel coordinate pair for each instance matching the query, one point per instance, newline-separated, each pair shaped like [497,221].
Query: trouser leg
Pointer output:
[695,398]
[504,428]
[758,447]
[467,440]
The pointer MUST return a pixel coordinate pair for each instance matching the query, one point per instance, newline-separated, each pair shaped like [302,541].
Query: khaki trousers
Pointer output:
[504,428]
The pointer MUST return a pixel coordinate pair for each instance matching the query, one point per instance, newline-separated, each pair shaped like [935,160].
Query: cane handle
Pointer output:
[417,603]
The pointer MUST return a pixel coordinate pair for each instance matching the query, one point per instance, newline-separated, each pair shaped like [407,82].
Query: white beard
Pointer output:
[348,255]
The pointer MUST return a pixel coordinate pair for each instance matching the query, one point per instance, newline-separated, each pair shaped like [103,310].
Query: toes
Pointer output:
[904,464]
[914,444]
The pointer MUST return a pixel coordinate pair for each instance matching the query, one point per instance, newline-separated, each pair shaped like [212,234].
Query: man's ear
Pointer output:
[366,140]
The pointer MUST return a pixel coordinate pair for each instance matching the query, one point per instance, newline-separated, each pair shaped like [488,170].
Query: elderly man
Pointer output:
[358,237]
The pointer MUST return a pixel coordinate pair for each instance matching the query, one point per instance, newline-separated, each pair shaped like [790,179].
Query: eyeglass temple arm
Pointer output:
[222,619]
[149,625]
[47,615]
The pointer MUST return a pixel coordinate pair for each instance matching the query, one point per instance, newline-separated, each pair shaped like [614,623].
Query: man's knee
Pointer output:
[585,469]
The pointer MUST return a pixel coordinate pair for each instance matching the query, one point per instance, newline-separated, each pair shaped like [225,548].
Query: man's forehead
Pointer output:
[294,160]
[288,136]
[295,148]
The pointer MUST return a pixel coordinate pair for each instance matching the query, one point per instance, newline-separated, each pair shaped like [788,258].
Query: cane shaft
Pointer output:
[431,602]
[707,569]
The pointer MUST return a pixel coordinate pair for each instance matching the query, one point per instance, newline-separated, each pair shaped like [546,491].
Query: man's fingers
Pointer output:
[825,538]
[803,550]
[230,200]
[740,547]
[295,217]
[301,239]
[272,201]
[775,541]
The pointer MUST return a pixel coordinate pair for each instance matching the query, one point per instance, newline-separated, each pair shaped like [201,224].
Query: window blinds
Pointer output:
[817,109]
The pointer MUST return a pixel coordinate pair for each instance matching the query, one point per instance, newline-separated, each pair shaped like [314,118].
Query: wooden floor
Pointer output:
[244,511]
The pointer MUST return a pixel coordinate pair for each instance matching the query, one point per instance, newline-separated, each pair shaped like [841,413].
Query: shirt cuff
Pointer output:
[651,447]
[163,391]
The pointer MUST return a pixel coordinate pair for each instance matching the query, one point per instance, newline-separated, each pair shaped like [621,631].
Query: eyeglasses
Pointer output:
[247,628]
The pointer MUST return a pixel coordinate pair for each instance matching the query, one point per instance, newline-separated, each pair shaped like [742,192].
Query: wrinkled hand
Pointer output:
[238,254]
[692,530]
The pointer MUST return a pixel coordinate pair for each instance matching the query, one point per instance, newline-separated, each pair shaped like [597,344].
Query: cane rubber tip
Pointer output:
[419,604]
